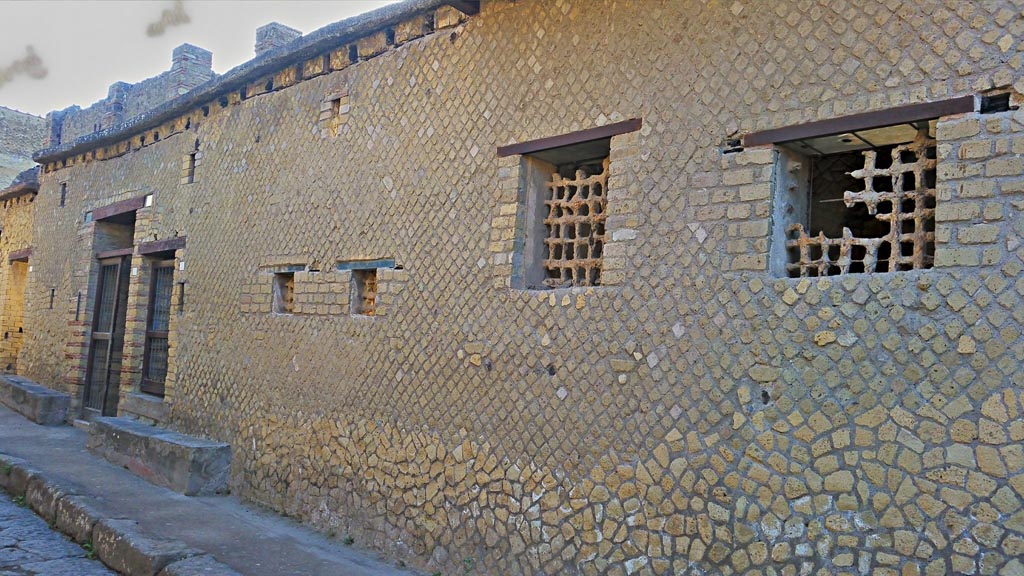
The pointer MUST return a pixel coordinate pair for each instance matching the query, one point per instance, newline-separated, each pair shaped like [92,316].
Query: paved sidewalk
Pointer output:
[29,547]
[251,541]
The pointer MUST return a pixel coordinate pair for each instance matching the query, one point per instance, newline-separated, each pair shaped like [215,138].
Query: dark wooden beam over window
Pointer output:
[863,121]
[599,133]
[115,253]
[467,7]
[162,245]
[118,208]
[20,255]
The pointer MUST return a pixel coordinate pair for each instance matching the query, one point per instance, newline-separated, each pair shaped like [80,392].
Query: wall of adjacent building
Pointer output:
[16,224]
[20,135]
[699,414]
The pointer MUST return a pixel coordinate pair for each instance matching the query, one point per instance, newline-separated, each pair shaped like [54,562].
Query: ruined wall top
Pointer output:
[190,67]
[274,35]
[74,131]
[20,135]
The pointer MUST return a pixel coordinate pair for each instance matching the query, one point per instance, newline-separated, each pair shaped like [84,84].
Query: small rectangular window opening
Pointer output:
[53,294]
[364,292]
[995,103]
[181,298]
[284,292]
[63,193]
[190,173]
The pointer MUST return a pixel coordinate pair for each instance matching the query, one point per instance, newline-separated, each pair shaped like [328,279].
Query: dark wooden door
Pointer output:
[106,348]
[154,365]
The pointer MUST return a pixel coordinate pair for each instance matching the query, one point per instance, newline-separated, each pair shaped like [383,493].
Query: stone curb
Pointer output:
[116,542]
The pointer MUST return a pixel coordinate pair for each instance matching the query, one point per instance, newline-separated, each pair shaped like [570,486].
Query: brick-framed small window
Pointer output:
[565,215]
[189,164]
[866,210]
[334,112]
[63,193]
[365,283]
[284,292]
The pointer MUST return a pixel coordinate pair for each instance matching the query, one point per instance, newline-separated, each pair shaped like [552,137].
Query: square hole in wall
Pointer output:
[364,292]
[284,292]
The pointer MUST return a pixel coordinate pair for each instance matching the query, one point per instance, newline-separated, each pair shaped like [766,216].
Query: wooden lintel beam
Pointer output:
[467,7]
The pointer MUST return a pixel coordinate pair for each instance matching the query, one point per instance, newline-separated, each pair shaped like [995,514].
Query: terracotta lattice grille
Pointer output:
[900,193]
[576,227]
[364,292]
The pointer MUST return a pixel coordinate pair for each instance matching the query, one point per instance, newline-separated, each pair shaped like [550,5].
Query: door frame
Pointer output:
[88,412]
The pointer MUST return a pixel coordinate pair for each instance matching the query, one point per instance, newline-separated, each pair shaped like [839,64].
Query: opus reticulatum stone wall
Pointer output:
[694,413]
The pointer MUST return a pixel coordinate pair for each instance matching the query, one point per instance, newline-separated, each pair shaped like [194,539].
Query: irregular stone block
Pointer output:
[119,545]
[185,464]
[7,466]
[37,403]
[17,482]
[74,516]
[198,566]
[42,495]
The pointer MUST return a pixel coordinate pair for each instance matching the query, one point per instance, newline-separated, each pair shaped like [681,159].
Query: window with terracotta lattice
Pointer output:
[565,215]
[576,202]
[284,292]
[364,292]
[860,202]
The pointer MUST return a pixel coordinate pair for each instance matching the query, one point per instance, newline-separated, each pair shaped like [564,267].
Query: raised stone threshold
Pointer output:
[185,464]
[37,403]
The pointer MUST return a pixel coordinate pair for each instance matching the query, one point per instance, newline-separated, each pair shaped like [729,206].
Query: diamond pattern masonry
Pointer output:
[694,413]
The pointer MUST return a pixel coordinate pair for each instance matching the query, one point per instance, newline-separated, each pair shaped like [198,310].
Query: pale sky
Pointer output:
[85,46]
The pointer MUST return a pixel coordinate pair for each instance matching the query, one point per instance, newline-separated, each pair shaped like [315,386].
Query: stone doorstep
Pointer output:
[186,464]
[37,403]
[117,542]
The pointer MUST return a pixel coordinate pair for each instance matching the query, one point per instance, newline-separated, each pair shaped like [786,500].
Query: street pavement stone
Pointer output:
[28,546]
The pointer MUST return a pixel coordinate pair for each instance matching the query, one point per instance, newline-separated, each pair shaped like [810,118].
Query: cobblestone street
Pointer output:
[28,546]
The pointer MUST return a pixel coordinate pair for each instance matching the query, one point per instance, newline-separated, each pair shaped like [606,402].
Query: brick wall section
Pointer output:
[694,419]
[980,188]
[739,204]
[622,229]
[20,135]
